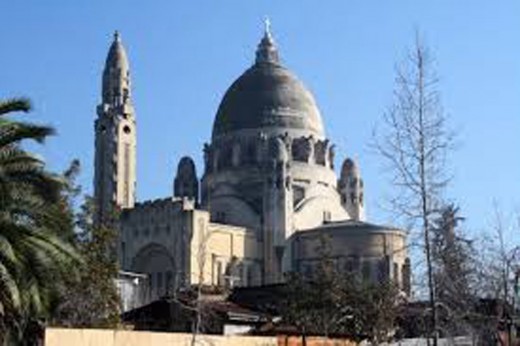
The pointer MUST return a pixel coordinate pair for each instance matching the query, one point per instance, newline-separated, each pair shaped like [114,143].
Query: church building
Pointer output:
[267,198]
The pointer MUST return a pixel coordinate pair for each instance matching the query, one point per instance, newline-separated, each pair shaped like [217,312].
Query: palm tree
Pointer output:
[33,253]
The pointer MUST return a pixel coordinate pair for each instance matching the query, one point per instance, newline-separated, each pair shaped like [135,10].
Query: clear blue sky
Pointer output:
[184,55]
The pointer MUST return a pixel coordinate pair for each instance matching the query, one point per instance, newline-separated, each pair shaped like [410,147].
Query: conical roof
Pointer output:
[116,74]
[116,54]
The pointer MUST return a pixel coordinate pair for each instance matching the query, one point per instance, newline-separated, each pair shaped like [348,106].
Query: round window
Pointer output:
[126,129]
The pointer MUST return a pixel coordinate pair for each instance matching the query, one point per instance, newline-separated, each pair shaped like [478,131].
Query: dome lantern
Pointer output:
[267,52]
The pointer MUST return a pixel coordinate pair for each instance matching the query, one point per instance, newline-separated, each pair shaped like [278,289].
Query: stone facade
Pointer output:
[267,192]
[176,245]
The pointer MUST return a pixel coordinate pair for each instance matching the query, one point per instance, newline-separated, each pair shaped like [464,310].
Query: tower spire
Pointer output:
[267,52]
[116,74]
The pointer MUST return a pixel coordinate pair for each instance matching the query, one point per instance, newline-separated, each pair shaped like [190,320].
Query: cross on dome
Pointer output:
[267,26]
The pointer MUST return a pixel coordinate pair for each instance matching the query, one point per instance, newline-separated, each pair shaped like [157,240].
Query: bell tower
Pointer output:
[115,138]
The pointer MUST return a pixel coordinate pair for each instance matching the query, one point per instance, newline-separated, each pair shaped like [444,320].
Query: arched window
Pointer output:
[220,216]
[396,273]
[159,283]
[169,282]
[240,275]
[327,216]
[123,251]
[249,155]
[307,271]
[350,266]
[366,272]
[245,277]
[151,281]
[220,274]
[225,159]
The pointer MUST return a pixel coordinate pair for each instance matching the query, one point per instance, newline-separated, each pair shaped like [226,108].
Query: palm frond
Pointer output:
[12,132]
[20,104]
[35,221]
[20,180]
[7,254]
[9,293]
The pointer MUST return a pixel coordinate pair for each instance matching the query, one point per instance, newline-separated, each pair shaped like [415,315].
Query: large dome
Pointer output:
[267,95]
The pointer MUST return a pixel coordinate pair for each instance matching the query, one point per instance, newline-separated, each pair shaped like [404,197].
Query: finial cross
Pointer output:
[267,25]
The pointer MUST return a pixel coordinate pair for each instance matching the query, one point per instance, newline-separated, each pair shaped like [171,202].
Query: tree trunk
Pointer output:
[423,190]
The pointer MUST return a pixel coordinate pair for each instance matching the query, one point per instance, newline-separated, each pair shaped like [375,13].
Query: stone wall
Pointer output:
[99,337]
[108,337]
[284,340]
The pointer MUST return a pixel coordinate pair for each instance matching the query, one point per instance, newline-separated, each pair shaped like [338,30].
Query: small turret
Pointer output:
[350,187]
[186,183]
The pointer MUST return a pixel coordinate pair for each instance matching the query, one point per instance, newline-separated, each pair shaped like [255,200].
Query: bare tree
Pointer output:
[190,301]
[200,308]
[501,269]
[414,141]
